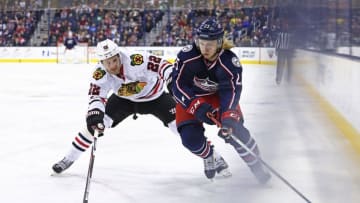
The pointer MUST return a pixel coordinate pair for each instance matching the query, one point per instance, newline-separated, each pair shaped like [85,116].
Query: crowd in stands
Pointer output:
[246,26]
[18,21]
[90,23]
[125,27]
[128,27]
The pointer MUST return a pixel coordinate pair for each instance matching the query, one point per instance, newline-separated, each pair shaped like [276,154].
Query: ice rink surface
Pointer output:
[43,107]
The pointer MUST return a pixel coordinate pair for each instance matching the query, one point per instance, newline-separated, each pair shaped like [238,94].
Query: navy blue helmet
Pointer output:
[210,29]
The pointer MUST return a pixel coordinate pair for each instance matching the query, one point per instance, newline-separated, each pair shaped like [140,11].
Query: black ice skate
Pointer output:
[216,164]
[62,165]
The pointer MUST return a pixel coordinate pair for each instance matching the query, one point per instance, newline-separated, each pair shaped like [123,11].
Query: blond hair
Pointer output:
[227,44]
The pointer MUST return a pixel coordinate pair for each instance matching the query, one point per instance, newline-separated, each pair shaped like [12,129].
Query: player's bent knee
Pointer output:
[192,136]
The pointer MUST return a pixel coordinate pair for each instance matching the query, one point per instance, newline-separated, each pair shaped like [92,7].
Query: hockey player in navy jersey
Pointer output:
[71,52]
[207,78]
[70,41]
[136,81]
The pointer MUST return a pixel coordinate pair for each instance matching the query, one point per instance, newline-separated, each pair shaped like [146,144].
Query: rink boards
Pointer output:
[247,55]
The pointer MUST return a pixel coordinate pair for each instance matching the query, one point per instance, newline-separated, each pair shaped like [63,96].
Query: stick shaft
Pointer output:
[90,169]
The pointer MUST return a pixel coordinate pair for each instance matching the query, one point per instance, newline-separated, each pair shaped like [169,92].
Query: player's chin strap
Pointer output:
[236,143]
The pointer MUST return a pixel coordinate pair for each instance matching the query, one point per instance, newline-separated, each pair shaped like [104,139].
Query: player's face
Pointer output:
[208,49]
[112,64]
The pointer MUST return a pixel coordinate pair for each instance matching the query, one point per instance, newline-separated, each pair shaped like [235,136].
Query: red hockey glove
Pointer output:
[200,109]
[229,120]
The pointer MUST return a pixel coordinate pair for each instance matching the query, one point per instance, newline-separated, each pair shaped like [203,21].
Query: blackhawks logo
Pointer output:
[131,88]
[136,59]
[98,74]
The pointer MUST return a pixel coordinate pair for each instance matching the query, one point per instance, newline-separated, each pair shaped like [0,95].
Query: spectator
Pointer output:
[44,42]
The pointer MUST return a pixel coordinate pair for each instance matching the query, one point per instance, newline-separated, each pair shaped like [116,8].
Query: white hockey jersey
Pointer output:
[142,77]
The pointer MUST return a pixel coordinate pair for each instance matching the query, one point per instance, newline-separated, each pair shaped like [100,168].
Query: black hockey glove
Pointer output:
[95,121]
[200,109]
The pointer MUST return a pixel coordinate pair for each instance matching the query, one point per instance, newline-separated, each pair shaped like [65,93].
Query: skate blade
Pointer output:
[225,173]
[53,173]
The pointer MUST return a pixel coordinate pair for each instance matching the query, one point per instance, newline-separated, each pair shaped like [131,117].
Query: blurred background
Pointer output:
[322,25]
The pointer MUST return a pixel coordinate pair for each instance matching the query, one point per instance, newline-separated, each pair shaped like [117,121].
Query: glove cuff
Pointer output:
[94,112]
[194,105]
[231,114]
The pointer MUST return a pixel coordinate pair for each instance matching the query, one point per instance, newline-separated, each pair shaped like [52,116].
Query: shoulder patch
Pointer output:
[236,62]
[187,48]
[98,74]
[136,59]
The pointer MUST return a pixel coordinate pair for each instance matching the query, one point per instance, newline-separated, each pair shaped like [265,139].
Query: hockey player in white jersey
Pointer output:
[137,81]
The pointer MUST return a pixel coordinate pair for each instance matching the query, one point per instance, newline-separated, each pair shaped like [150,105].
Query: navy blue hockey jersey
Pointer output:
[194,76]
[70,42]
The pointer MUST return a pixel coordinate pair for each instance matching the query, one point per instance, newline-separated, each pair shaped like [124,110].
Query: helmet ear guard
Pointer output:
[220,43]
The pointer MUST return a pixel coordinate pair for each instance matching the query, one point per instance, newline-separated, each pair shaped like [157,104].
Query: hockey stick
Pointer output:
[90,169]
[236,143]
